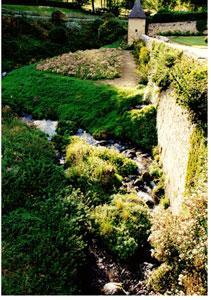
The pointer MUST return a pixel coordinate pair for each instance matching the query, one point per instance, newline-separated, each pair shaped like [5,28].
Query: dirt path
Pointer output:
[129,78]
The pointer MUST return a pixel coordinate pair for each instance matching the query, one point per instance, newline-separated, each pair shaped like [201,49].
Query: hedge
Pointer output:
[166,17]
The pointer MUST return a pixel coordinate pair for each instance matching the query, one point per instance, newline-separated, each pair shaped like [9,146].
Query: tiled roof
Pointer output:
[137,11]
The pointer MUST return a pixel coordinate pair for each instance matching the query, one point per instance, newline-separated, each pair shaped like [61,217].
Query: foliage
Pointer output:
[196,177]
[58,35]
[177,16]
[123,225]
[43,250]
[89,64]
[26,41]
[171,68]
[28,169]
[110,30]
[103,110]
[140,124]
[180,243]
[96,170]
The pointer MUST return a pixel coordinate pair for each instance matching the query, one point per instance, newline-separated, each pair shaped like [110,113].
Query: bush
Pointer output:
[110,31]
[177,17]
[169,68]
[140,126]
[97,170]
[180,241]
[58,35]
[123,225]
[43,250]
[57,16]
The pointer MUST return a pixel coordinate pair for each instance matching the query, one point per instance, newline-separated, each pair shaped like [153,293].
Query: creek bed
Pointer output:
[106,273]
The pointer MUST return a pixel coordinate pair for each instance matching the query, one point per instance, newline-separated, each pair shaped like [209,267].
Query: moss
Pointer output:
[196,178]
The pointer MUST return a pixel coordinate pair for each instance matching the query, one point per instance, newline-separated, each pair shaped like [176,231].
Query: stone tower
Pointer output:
[136,22]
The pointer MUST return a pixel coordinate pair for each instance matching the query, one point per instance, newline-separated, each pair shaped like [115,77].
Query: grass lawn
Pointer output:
[46,10]
[99,108]
[115,44]
[189,40]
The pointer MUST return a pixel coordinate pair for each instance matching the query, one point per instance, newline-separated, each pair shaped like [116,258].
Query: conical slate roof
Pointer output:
[137,11]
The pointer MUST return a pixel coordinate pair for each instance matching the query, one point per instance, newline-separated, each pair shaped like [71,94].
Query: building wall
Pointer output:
[136,27]
[156,28]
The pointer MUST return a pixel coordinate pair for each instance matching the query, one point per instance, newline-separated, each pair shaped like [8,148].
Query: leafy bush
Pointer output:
[190,83]
[196,177]
[180,242]
[142,124]
[43,249]
[177,16]
[96,170]
[58,35]
[123,225]
[171,68]
[110,31]
[28,168]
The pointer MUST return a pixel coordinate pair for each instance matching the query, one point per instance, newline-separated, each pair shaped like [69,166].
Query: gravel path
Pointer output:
[129,78]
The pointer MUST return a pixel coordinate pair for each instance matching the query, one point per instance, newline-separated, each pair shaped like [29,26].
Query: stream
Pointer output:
[108,276]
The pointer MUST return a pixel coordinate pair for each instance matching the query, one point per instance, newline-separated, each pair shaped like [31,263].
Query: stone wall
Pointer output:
[156,28]
[174,131]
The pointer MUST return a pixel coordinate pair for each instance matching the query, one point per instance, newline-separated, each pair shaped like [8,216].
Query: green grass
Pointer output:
[101,109]
[46,11]
[189,40]
[116,44]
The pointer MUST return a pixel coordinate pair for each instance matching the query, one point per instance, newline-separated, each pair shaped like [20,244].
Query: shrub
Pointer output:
[180,241]
[123,225]
[57,16]
[96,169]
[43,249]
[159,279]
[140,126]
[144,55]
[58,35]
[177,16]
[110,31]
[169,68]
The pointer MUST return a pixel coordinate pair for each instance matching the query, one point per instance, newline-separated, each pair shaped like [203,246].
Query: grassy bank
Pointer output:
[101,109]
[189,40]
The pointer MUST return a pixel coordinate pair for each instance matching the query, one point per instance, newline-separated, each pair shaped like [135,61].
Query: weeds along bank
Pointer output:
[26,40]
[52,213]
[178,86]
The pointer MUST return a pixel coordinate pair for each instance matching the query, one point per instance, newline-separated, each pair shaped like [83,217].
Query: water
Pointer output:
[104,269]
[46,126]
[141,183]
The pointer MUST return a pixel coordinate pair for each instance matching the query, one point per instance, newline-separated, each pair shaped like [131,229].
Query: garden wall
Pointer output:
[156,28]
[174,131]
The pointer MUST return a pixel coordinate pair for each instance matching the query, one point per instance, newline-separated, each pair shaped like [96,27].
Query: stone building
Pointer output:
[136,23]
